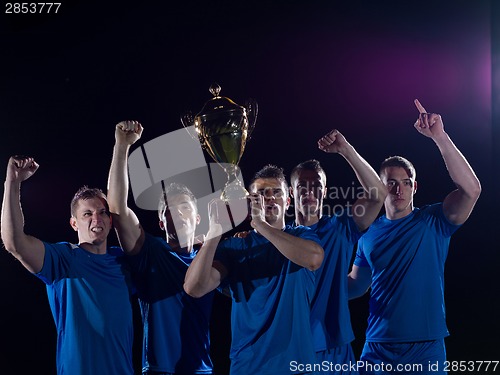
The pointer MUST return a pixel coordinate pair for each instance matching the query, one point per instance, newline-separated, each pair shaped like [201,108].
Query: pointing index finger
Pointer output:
[419,106]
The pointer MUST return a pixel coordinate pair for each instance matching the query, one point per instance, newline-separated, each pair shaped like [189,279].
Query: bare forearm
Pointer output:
[29,250]
[118,184]
[366,175]
[201,277]
[128,228]
[367,207]
[305,253]
[12,216]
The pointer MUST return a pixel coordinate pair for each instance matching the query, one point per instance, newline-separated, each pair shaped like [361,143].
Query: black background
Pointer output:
[68,78]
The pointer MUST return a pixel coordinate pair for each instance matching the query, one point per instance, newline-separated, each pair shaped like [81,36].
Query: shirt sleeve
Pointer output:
[56,262]
[360,259]
[434,216]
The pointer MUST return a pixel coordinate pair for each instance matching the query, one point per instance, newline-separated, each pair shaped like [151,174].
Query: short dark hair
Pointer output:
[174,189]
[399,161]
[271,171]
[308,165]
[85,193]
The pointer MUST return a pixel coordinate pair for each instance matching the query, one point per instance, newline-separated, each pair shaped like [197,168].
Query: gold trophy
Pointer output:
[223,129]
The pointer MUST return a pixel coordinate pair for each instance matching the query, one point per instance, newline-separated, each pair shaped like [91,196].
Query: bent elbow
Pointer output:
[6,245]
[10,247]
[30,263]
[471,191]
[188,288]
[192,290]
[316,259]
[477,190]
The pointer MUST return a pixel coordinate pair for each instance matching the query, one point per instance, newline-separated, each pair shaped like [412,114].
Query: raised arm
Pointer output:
[127,226]
[305,253]
[459,203]
[366,209]
[29,250]
[204,274]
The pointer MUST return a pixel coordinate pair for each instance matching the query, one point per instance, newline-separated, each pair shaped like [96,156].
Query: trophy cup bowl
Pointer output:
[223,129]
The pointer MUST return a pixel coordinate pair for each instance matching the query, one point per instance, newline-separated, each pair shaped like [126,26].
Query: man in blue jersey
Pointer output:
[86,283]
[339,232]
[402,257]
[176,336]
[269,273]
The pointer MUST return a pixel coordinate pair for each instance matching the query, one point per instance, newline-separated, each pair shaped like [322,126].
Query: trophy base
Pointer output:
[234,188]
[233,191]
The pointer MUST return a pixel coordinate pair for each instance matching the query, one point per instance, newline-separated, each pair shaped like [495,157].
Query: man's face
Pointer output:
[308,188]
[92,221]
[180,218]
[276,200]
[401,188]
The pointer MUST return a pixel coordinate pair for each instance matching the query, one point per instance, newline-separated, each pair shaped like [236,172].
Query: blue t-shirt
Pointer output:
[90,302]
[271,305]
[176,326]
[407,258]
[330,316]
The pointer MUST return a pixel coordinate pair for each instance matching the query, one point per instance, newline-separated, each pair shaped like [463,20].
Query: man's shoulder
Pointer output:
[341,223]
[115,251]
[60,246]
[152,241]
[416,215]
[429,209]
[296,229]
[429,212]
[302,232]
[335,219]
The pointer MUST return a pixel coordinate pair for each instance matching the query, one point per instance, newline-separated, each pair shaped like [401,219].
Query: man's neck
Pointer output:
[185,248]
[308,219]
[94,248]
[395,215]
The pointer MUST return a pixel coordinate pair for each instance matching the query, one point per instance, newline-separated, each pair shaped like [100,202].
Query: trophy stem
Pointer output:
[234,188]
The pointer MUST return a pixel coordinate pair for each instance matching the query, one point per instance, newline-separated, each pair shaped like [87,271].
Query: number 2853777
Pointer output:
[33,8]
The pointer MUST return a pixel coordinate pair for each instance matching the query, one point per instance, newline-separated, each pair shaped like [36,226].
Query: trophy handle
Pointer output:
[187,121]
[252,110]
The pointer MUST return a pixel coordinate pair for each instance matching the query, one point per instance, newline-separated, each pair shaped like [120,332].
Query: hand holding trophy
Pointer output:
[223,128]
